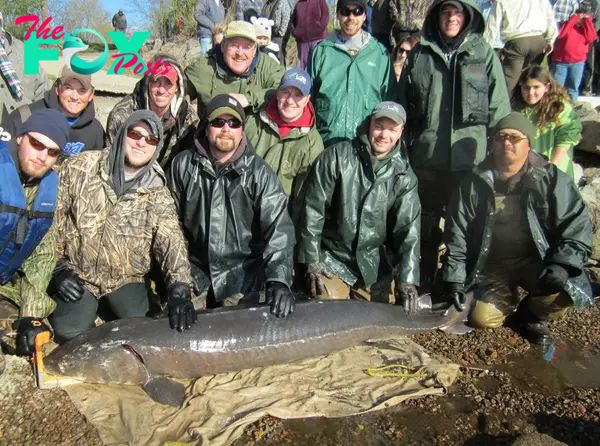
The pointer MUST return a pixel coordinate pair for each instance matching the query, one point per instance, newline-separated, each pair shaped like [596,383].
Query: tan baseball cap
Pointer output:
[239,28]
[85,79]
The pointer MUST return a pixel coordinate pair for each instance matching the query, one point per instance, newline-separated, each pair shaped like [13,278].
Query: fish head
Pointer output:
[97,357]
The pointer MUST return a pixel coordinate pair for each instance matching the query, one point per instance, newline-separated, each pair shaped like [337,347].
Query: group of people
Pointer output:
[231,176]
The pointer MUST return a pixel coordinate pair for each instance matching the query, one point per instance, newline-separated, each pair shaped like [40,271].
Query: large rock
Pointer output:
[590,136]
[184,51]
[591,194]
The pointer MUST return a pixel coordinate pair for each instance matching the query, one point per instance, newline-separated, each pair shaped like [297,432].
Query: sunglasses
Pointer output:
[37,145]
[150,139]
[233,123]
[356,12]
[513,139]
[401,50]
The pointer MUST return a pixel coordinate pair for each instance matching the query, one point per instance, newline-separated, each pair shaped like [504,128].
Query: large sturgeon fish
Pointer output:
[136,351]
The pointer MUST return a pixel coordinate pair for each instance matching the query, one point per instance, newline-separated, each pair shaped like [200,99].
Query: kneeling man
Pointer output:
[517,222]
[114,215]
[359,232]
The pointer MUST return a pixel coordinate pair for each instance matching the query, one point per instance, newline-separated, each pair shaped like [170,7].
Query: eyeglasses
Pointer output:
[513,139]
[150,139]
[356,12]
[233,123]
[240,47]
[401,50]
[37,145]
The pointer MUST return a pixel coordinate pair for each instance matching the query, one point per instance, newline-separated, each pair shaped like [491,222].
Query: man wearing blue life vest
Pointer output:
[28,195]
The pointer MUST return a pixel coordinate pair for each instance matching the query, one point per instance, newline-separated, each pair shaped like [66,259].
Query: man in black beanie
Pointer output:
[515,224]
[28,198]
[351,73]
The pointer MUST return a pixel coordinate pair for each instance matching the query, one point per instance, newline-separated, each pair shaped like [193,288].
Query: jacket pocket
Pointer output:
[475,93]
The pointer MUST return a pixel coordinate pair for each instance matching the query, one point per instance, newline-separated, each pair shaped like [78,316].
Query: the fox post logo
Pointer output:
[127,57]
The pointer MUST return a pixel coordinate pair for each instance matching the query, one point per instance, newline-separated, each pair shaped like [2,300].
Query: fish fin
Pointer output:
[165,391]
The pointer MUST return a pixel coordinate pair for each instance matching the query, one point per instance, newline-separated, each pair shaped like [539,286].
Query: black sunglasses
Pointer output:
[150,139]
[356,12]
[233,123]
[38,145]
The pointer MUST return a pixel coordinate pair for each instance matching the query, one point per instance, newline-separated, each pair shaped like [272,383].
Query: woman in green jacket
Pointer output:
[547,105]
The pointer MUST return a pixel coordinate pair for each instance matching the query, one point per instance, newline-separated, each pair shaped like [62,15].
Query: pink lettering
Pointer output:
[131,63]
[44,30]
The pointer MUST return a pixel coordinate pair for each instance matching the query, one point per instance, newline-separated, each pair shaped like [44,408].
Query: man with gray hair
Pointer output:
[360,228]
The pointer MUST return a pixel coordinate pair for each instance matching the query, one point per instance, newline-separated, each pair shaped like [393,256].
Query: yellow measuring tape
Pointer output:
[394,371]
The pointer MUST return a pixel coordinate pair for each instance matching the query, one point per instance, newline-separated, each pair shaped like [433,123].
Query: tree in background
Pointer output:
[79,14]
[11,9]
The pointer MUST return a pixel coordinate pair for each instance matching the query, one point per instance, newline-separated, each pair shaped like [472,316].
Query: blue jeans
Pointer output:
[205,44]
[569,75]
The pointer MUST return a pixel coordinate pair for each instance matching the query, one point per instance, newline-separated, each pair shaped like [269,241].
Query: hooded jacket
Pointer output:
[352,214]
[178,123]
[86,133]
[452,96]
[345,89]
[559,225]
[111,229]
[234,217]
[208,78]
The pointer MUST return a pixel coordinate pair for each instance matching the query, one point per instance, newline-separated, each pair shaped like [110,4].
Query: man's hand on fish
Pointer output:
[66,284]
[313,274]
[407,296]
[181,309]
[280,298]
[455,294]
[27,329]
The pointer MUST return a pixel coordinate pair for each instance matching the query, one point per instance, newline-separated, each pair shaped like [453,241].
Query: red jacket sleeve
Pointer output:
[589,30]
[568,26]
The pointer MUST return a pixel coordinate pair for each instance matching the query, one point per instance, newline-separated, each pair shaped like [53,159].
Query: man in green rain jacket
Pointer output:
[351,73]
[359,232]
[453,89]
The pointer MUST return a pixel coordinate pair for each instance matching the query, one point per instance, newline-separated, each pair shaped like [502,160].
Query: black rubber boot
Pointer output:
[537,332]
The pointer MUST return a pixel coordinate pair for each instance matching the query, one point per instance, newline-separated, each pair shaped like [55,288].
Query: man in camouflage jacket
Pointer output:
[114,215]
[165,95]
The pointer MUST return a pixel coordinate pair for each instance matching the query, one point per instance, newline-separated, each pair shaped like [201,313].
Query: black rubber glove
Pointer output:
[552,279]
[280,298]
[181,309]
[27,329]
[65,284]
[407,296]
[455,294]
[312,276]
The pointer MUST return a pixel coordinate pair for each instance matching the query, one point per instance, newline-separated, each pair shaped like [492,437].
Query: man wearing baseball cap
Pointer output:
[73,96]
[284,133]
[454,91]
[234,214]
[351,73]
[234,67]
[517,221]
[28,198]
[361,202]
[164,93]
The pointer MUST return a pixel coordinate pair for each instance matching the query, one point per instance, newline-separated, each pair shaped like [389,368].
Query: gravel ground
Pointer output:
[507,389]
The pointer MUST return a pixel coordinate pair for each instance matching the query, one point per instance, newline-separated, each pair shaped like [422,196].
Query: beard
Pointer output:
[225,142]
